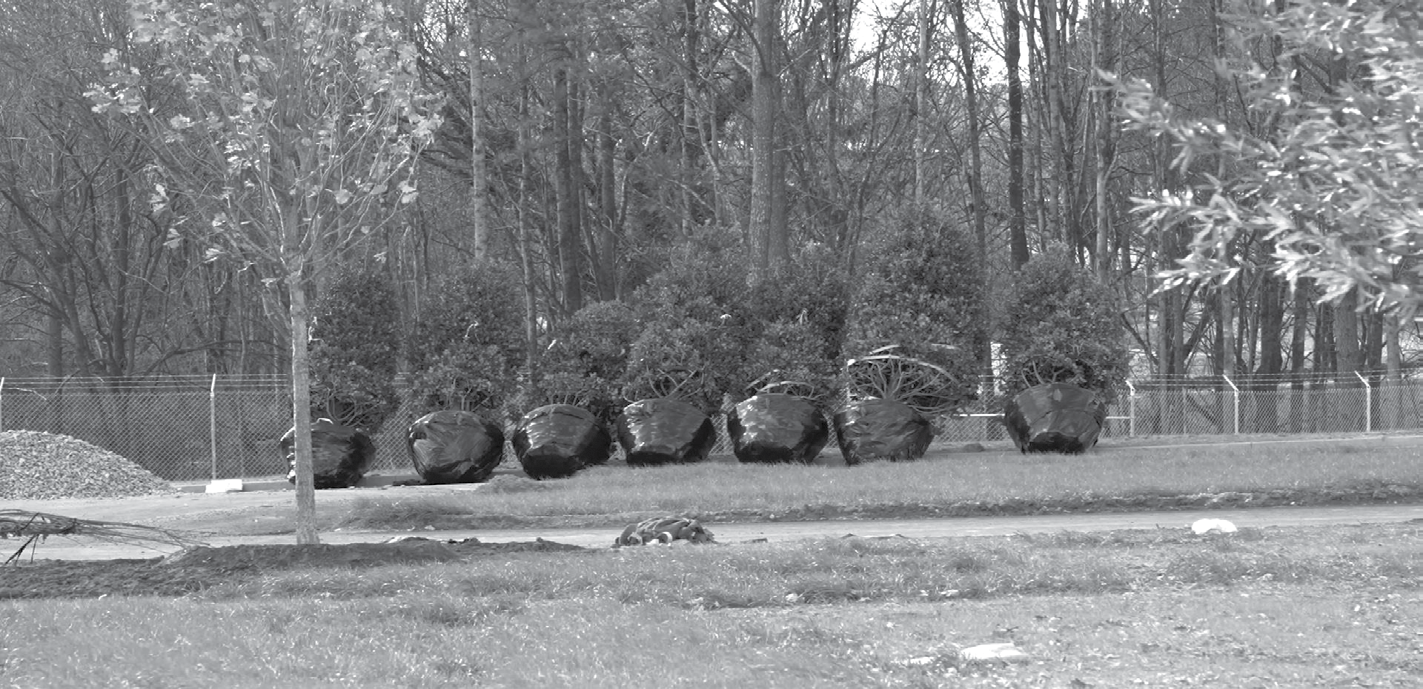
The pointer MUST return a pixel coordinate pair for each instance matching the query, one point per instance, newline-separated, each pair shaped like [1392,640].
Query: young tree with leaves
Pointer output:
[1334,183]
[694,326]
[296,135]
[585,362]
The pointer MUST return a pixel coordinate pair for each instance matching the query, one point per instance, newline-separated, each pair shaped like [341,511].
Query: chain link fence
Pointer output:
[214,427]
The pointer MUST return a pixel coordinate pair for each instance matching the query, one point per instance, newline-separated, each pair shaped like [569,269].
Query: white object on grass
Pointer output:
[1004,653]
[226,485]
[1205,526]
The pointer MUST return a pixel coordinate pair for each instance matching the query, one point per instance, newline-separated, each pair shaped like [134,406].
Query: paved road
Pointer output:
[63,548]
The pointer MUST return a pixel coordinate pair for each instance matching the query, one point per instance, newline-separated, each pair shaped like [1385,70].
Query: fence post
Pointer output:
[2,403]
[1131,410]
[1368,402]
[1235,396]
[212,423]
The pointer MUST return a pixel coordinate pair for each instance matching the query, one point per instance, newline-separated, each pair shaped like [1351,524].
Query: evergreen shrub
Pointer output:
[1062,325]
[355,349]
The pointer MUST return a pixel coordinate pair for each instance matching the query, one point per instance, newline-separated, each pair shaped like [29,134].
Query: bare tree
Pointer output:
[80,245]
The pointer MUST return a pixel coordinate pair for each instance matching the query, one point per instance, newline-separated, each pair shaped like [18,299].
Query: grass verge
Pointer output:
[942,485]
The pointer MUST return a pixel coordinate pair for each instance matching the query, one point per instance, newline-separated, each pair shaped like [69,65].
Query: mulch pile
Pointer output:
[35,465]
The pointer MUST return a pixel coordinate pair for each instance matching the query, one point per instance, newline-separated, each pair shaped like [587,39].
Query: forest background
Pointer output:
[657,175]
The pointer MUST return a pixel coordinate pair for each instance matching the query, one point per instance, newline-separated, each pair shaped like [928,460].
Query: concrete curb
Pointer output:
[278,483]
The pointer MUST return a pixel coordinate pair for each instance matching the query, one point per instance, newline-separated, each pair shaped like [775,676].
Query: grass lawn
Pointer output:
[1319,606]
[1299,607]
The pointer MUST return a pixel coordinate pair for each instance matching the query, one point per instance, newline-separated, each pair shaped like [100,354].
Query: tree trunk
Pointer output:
[1106,59]
[975,146]
[301,409]
[116,357]
[1346,334]
[1373,345]
[690,138]
[477,182]
[577,181]
[975,173]
[921,103]
[1048,119]
[764,92]
[1396,415]
[1063,188]
[1326,360]
[526,239]
[1034,184]
[1272,319]
[1170,331]
[1225,295]
[1298,334]
[570,237]
[54,344]
[1017,221]
[608,204]
[1350,361]
[1227,298]
[1226,329]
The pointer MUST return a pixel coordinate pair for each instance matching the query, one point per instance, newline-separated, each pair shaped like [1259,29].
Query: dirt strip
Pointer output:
[80,548]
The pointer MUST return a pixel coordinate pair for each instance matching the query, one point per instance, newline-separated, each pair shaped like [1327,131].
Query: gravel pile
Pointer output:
[45,466]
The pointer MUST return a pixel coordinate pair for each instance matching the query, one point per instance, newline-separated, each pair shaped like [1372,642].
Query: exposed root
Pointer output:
[924,387]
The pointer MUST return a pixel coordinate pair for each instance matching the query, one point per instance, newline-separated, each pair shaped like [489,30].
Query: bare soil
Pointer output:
[32,573]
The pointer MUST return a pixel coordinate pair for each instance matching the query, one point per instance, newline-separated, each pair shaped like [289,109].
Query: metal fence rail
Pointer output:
[214,427]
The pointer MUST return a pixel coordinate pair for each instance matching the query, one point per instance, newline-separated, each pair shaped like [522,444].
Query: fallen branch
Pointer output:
[35,527]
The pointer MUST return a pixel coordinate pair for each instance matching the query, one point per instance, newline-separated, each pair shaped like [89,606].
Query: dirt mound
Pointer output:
[405,551]
[95,578]
[196,569]
[45,466]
